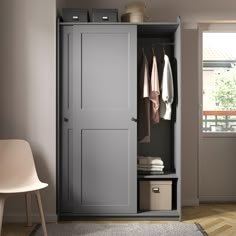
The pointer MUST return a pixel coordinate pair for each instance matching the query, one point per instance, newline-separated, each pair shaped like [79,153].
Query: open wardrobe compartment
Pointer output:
[110,162]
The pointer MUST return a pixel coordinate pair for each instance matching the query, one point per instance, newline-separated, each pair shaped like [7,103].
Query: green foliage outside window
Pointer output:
[224,94]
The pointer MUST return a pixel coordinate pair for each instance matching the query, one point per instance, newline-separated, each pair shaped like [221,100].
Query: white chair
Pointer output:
[18,175]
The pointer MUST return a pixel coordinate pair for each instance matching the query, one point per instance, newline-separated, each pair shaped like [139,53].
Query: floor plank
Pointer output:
[216,219]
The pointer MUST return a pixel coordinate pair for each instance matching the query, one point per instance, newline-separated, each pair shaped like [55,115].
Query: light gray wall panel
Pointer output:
[219,185]
[28,92]
[189,117]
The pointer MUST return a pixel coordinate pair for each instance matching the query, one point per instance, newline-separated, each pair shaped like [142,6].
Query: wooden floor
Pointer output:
[216,219]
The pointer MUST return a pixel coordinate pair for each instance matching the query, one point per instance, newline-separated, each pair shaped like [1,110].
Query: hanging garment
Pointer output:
[167,90]
[144,103]
[154,92]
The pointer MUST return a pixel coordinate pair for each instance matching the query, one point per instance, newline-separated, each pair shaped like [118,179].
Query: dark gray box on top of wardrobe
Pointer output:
[75,15]
[104,15]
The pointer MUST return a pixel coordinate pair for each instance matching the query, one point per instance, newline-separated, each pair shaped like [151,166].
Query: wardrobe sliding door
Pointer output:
[102,146]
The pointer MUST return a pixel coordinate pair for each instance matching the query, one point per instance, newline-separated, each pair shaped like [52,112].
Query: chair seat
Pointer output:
[24,188]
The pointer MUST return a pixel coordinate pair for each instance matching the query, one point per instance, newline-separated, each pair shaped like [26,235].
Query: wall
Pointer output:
[196,11]
[189,117]
[27,80]
[219,185]
[28,90]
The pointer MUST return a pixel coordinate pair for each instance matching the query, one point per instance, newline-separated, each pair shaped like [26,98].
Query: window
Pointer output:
[218,82]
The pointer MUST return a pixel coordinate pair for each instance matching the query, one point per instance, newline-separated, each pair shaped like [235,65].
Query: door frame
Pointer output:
[223,27]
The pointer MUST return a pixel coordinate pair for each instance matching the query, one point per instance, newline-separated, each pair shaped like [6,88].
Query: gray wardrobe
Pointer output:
[97,119]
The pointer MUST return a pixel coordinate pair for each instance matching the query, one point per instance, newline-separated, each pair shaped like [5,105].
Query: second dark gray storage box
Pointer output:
[104,15]
[75,15]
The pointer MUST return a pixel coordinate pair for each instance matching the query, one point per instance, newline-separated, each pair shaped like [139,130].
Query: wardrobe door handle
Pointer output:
[66,119]
[134,119]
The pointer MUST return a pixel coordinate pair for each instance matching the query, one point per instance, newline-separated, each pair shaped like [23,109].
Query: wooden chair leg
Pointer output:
[28,208]
[2,202]
[41,212]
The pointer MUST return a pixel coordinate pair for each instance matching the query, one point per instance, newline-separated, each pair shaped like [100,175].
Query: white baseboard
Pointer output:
[217,199]
[19,218]
[190,202]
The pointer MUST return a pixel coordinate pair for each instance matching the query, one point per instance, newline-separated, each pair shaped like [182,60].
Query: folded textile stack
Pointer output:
[150,165]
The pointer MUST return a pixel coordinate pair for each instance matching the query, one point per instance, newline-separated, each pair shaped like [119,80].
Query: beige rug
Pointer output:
[117,229]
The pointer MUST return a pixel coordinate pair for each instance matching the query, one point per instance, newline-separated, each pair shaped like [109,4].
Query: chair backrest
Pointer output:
[16,163]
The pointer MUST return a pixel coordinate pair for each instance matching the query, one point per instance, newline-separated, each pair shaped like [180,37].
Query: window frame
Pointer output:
[210,28]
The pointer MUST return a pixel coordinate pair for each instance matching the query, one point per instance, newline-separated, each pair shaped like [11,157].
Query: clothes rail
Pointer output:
[162,44]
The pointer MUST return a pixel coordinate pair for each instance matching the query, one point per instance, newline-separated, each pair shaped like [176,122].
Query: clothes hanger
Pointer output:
[164,52]
[143,51]
[153,52]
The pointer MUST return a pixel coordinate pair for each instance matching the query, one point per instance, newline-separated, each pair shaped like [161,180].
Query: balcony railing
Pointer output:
[219,121]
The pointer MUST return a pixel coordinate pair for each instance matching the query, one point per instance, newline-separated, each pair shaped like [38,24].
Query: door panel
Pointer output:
[217,169]
[104,146]
[105,55]
[105,170]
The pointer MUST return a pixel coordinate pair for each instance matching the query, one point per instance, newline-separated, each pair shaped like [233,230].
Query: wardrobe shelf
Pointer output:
[159,213]
[164,176]
[139,214]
